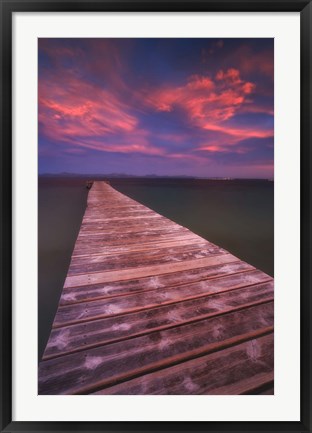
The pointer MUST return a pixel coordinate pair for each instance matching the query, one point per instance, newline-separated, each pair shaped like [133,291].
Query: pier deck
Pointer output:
[148,307]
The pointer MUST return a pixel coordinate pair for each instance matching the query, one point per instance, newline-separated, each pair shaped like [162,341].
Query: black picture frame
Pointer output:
[8,7]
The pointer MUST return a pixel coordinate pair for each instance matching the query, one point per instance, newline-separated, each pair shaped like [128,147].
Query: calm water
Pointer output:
[236,215]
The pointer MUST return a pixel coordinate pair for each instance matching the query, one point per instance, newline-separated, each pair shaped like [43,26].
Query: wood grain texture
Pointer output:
[151,298]
[237,370]
[83,372]
[120,327]
[149,307]
[174,279]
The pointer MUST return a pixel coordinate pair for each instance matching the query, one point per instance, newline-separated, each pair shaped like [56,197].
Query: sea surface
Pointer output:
[237,215]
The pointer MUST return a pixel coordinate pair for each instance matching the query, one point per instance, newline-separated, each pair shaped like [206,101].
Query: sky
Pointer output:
[170,107]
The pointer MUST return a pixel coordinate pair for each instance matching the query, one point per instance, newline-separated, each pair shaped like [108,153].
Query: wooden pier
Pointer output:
[148,307]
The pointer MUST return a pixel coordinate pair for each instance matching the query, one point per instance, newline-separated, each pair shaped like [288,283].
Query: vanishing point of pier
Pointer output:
[148,307]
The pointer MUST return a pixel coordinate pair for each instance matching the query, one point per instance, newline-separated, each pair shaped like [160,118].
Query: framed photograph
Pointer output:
[155,216]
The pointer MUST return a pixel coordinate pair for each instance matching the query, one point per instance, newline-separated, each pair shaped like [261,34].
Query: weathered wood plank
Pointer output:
[93,369]
[98,332]
[102,218]
[98,211]
[98,247]
[112,250]
[132,232]
[138,260]
[148,299]
[120,237]
[142,221]
[132,223]
[235,370]
[145,271]
[157,250]
[120,288]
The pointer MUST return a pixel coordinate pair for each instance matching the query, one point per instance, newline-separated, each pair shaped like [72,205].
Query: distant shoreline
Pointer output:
[129,176]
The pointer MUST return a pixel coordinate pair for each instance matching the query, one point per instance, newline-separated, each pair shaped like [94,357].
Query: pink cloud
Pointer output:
[88,115]
[232,75]
[81,108]
[134,143]
[240,134]
[209,104]
[78,109]
[203,98]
